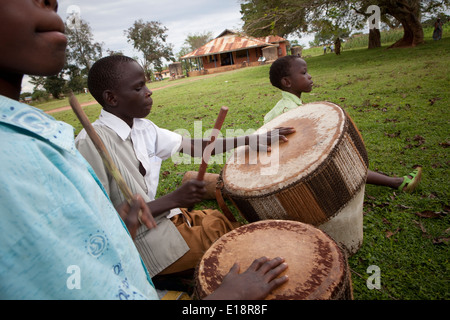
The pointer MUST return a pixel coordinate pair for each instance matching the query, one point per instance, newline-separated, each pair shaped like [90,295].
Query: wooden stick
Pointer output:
[210,147]
[109,164]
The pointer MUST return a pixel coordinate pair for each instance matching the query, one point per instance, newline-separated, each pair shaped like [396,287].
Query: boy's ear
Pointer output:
[110,98]
[286,82]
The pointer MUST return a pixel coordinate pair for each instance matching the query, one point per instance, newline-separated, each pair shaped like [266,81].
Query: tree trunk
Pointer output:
[412,35]
[374,38]
[408,13]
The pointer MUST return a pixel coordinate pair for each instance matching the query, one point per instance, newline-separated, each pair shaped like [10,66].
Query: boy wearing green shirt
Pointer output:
[290,74]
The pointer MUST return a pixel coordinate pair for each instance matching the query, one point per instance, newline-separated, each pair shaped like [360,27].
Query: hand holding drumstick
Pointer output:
[135,211]
[210,147]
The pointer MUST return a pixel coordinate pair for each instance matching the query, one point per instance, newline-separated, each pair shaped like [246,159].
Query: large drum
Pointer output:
[317,268]
[317,177]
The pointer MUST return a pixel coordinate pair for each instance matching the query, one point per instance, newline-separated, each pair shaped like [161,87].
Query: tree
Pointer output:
[38,82]
[82,51]
[114,53]
[77,82]
[409,12]
[191,43]
[330,27]
[56,85]
[70,77]
[328,35]
[52,84]
[195,41]
[373,16]
[275,17]
[264,17]
[149,38]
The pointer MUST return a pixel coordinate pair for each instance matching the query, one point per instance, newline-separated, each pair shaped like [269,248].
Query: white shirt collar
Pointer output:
[119,126]
[114,123]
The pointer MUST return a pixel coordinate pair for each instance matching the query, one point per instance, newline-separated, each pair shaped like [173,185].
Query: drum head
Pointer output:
[317,268]
[318,129]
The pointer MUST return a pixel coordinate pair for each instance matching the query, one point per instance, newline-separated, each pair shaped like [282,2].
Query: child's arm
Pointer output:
[188,194]
[192,191]
[195,147]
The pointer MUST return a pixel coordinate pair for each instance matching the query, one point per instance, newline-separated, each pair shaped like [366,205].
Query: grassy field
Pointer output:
[399,100]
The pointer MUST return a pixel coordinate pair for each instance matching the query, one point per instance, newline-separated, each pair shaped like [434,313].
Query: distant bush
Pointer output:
[40,95]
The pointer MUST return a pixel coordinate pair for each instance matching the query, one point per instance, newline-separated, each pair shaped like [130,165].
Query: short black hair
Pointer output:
[104,75]
[279,69]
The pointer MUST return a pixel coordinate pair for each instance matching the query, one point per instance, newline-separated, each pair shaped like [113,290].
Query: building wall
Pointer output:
[271,53]
[253,55]
[208,61]
[240,60]
[239,57]
[282,50]
[222,69]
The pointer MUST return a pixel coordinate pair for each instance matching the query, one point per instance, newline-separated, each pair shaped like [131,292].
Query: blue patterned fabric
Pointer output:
[60,236]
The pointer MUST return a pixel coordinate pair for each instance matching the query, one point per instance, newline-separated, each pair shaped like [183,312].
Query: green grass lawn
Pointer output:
[399,99]
[59,103]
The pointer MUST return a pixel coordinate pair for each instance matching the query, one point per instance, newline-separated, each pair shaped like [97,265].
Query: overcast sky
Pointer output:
[109,19]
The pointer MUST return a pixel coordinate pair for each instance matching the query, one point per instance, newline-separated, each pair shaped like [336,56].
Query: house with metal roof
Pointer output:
[232,50]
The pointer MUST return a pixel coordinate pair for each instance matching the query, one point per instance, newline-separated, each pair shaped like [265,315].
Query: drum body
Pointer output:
[317,268]
[318,174]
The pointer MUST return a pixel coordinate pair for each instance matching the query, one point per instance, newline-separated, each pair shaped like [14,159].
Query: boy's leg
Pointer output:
[406,183]
[380,179]
[203,229]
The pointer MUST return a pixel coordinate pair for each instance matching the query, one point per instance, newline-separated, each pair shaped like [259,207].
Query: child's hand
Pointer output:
[265,140]
[135,215]
[189,193]
[255,283]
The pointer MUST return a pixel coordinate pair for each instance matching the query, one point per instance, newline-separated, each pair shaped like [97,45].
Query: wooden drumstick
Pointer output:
[109,164]
[210,147]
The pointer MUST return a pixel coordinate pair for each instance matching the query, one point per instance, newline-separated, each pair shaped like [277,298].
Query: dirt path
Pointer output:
[154,89]
[68,107]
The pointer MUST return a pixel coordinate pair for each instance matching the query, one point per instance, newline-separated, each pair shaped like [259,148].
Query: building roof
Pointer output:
[226,32]
[229,41]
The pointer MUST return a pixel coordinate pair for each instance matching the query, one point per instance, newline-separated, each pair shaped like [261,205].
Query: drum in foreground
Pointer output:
[317,177]
[317,267]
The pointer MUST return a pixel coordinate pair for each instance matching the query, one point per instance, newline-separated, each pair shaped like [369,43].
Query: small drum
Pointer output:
[317,268]
[317,177]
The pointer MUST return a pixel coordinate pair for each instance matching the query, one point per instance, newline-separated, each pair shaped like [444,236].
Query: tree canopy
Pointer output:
[149,38]
[283,17]
[82,50]
[194,41]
